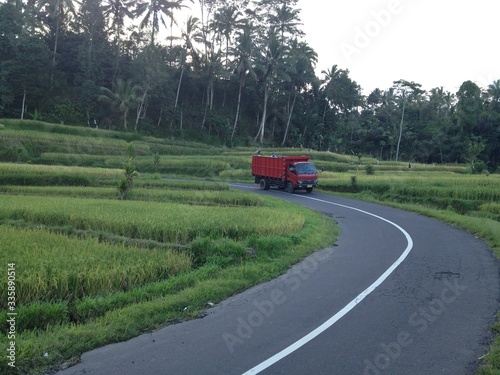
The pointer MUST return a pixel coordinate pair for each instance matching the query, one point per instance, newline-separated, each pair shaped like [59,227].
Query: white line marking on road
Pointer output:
[323,327]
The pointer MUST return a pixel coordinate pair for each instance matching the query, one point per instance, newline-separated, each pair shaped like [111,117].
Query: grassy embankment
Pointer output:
[446,192]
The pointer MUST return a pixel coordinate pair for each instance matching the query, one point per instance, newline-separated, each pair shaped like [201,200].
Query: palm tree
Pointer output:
[116,11]
[191,34]
[270,63]
[494,93]
[58,9]
[286,20]
[123,99]
[244,67]
[173,20]
[301,60]
[330,76]
[213,69]
[154,12]
[226,21]
[406,90]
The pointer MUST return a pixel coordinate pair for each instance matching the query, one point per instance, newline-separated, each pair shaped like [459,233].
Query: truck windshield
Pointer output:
[305,168]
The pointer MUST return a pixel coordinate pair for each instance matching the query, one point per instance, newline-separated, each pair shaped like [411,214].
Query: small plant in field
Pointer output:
[156,161]
[129,171]
[358,162]
[369,169]
[354,183]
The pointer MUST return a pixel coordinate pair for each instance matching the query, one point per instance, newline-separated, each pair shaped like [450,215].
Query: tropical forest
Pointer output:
[230,73]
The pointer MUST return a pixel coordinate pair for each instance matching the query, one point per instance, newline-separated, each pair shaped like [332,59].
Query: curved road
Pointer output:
[399,293]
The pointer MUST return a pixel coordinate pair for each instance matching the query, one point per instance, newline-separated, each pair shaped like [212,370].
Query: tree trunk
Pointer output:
[260,133]
[24,103]
[54,55]
[125,114]
[179,86]
[207,103]
[289,119]
[237,113]
[182,109]
[400,130]
[159,119]
[140,108]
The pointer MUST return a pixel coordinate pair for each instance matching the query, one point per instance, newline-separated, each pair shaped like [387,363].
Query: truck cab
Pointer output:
[302,176]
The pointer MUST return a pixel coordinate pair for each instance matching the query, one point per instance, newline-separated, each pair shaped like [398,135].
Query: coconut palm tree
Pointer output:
[154,12]
[61,11]
[270,65]
[226,21]
[494,93]
[244,66]
[301,61]
[122,99]
[116,12]
[406,90]
[190,35]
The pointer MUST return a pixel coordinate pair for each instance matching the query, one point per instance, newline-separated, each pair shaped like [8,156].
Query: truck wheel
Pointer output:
[289,187]
[309,190]
[264,184]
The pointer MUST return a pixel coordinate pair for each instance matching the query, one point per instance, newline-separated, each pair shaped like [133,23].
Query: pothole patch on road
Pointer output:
[446,275]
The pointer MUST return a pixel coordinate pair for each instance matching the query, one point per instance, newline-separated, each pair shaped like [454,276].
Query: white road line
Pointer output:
[323,327]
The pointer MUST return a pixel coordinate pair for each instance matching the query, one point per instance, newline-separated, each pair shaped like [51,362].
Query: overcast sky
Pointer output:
[432,42]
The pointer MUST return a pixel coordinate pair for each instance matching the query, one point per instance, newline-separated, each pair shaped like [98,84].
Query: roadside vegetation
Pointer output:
[95,266]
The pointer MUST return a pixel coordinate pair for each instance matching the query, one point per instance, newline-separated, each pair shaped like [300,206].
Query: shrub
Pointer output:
[369,169]
[354,184]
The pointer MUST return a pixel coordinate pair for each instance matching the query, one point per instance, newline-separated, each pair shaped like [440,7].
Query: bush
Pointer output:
[354,184]
[478,167]
[369,169]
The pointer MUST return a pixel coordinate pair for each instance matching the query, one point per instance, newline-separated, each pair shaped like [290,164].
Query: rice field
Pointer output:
[20,169]
[53,267]
[158,221]
[465,194]
[211,196]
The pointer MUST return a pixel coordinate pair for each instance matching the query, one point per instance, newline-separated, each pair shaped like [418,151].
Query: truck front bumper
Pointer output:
[306,184]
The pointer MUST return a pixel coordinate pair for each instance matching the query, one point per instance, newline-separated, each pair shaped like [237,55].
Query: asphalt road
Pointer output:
[399,293]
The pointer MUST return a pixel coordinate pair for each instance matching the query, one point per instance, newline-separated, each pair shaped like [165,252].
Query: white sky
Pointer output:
[432,42]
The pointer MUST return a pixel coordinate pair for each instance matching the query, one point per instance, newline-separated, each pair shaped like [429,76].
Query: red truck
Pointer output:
[285,172]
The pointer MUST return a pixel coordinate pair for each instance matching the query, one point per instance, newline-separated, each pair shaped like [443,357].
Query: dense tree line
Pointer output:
[241,73]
